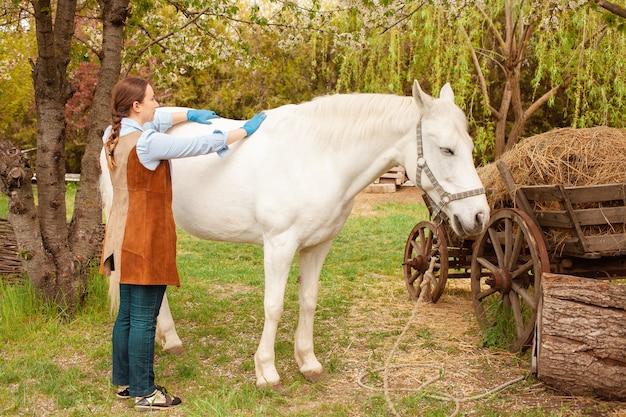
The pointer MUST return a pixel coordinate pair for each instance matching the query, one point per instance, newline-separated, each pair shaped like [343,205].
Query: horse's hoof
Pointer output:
[314,376]
[175,350]
[276,387]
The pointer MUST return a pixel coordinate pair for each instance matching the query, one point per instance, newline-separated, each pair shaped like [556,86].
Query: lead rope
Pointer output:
[442,397]
[444,196]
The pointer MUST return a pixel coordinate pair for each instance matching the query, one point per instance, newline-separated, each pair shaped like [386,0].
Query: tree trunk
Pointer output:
[582,337]
[51,93]
[86,229]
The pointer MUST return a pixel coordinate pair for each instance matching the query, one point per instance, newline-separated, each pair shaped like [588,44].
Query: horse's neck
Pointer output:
[367,134]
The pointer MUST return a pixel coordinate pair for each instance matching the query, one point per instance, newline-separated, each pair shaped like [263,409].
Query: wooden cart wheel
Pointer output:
[426,260]
[507,262]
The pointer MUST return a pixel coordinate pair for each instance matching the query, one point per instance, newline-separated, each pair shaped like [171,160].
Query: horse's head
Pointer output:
[444,166]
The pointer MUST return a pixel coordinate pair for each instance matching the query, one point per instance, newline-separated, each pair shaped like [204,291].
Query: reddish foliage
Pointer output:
[78,113]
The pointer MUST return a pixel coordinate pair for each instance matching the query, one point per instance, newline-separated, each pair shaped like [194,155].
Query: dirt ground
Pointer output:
[452,344]
[365,201]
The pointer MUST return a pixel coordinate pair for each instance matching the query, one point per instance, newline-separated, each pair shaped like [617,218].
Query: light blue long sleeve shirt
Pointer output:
[154,146]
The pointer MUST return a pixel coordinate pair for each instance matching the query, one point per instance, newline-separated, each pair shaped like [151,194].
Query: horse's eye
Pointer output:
[447,151]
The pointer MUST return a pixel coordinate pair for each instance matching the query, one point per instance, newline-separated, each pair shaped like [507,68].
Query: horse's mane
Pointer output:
[339,118]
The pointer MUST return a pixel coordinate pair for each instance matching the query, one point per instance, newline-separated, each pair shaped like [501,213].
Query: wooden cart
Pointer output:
[577,231]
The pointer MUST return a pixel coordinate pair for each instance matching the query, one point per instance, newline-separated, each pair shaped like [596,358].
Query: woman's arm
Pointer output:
[236,135]
[179,117]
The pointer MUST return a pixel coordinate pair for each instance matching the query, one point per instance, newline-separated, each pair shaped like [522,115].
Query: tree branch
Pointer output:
[160,38]
[494,29]
[611,7]
[543,99]
[481,76]
[403,18]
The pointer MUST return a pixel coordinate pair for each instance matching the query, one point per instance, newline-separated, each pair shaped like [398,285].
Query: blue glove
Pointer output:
[201,116]
[253,124]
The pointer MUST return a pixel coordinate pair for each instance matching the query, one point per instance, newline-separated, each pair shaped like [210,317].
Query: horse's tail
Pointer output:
[106,187]
[106,191]
[114,292]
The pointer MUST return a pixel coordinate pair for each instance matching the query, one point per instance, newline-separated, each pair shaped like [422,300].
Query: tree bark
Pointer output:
[51,93]
[582,336]
[86,229]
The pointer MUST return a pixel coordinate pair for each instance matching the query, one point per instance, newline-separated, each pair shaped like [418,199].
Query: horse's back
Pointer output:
[266,184]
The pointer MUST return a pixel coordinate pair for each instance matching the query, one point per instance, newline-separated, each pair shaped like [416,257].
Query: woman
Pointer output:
[142,250]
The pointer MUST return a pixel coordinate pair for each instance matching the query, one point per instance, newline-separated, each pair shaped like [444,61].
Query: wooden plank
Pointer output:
[576,195]
[554,218]
[607,243]
[601,216]
[589,217]
[398,174]
[596,193]
[577,230]
[543,193]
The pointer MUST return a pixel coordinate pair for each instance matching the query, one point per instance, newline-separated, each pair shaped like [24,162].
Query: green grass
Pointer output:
[54,366]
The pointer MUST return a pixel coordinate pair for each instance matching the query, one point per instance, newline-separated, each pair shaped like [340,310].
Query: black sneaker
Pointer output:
[158,400]
[123,394]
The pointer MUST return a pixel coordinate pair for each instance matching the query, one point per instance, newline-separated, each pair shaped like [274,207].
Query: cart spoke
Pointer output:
[415,246]
[486,293]
[433,279]
[508,243]
[495,242]
[526,295]
[523,269]
[517,314]
[506,300]
[428,245]
[484,262]
[518,242]
[414,277]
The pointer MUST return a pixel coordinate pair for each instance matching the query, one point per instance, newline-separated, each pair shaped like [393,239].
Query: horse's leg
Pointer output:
[166,331]
[278,257]
[311,262]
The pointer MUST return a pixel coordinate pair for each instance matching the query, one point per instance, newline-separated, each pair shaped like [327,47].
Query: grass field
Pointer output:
[50,366]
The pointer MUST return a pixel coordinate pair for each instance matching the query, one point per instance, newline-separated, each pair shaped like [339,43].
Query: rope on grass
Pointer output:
[443,397]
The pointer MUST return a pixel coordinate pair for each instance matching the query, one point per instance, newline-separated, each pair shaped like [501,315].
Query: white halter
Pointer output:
[422,165]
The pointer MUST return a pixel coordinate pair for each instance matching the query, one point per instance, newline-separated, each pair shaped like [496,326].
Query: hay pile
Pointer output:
[572,157]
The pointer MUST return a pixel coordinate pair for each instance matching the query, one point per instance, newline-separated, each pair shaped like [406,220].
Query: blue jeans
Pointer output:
[133,337]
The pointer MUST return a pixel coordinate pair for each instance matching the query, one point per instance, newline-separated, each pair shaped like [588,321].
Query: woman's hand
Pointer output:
[201,116]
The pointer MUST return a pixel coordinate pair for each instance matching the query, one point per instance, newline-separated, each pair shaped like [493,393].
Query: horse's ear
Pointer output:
[446,93]
[421,98]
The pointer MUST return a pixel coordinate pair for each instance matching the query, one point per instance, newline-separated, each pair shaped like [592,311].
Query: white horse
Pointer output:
[290,187]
